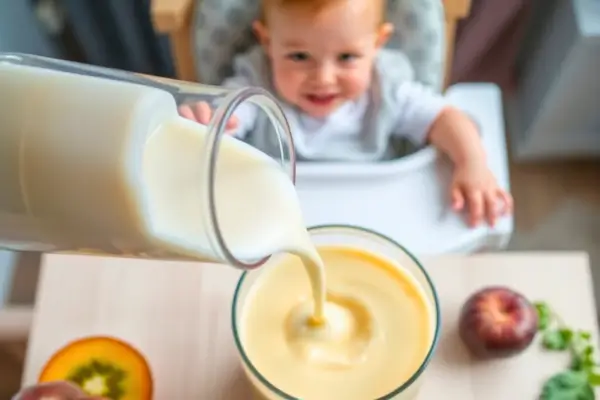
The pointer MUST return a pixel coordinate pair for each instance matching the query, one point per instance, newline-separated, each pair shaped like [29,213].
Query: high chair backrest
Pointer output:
[222,29]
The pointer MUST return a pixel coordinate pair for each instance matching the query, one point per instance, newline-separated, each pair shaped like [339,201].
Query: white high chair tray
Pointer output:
[408,199]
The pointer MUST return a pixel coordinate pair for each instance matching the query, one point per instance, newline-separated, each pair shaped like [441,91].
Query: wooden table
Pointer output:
[178,315]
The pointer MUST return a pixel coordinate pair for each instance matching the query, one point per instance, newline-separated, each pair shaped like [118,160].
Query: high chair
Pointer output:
[405,198]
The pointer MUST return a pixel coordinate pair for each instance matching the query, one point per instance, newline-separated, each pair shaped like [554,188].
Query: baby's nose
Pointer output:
[325,75]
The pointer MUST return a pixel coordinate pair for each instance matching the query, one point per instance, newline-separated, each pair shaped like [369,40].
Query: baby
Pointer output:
[348,99]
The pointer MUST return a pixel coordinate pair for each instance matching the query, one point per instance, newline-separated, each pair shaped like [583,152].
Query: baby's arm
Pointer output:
[426,117]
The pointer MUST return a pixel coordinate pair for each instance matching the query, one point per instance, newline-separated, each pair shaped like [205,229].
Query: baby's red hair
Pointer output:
[312,7]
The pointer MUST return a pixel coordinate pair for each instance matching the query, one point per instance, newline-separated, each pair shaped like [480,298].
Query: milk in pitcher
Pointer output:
[88,163]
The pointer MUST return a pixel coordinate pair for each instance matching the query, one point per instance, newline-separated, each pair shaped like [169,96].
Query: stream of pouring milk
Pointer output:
[257,206]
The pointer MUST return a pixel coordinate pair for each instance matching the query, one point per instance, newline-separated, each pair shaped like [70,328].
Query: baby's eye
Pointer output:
[298,56]
[347,57]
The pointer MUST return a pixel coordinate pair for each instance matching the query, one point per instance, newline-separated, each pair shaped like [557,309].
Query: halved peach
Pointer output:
[102,366]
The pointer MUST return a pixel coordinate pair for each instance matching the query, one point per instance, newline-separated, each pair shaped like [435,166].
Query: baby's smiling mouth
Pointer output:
[321,99]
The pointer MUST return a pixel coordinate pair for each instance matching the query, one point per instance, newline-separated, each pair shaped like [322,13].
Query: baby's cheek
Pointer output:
[357,83]
[287,84]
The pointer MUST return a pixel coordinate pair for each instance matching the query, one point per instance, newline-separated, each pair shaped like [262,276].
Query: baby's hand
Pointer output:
[474,186]
[202,113]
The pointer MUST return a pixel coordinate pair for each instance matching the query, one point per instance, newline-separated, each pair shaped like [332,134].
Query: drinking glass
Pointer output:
[347,236]
[29,78]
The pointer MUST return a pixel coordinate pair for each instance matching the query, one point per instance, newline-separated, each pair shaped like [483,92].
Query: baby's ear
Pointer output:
[384,33]
[262,34]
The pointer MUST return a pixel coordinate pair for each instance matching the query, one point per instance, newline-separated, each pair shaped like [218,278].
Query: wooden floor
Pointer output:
[11,363]
[539,188]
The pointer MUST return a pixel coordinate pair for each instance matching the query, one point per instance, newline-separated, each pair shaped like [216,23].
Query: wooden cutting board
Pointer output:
[178,315]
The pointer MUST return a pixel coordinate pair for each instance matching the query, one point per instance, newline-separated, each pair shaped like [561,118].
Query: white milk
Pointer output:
[103,163]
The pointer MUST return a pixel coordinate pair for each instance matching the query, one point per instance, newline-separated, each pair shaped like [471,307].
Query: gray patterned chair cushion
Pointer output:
[222,29]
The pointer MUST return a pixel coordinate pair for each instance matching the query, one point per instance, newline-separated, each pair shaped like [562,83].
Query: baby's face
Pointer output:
[321,61]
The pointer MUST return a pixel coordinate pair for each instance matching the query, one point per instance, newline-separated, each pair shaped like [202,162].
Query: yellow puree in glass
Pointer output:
[378,328]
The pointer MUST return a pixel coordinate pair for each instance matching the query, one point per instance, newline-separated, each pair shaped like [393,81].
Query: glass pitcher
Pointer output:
[76,114]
